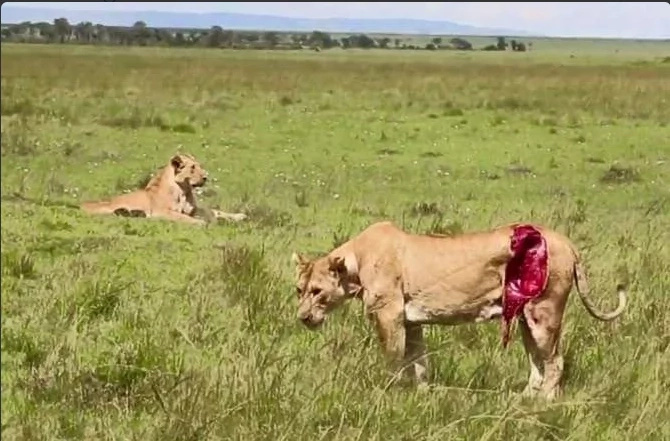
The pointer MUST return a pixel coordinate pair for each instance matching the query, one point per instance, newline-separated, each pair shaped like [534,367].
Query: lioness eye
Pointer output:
[298,290]
[316,291]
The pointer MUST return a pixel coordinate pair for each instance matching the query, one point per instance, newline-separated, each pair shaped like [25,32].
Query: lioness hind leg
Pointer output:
[534,359]
[540,329]
[123,212]
[138,213]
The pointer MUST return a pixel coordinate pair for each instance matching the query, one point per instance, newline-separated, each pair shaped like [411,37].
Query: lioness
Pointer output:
[408,280]
[169,194]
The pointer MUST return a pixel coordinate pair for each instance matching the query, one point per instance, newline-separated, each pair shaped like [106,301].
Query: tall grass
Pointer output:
[119,328]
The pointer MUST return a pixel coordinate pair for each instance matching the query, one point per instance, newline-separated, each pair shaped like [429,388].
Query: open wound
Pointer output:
[525,274]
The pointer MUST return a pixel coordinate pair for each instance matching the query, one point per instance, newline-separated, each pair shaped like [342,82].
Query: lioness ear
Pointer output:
[176,161]
[299,259]
[337,264]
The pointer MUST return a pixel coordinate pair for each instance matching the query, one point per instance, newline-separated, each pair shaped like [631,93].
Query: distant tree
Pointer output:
[195,37]
[502,45]
[179,39]
[431,46]
[460,44]
[47,31]
[163,37]
[63,29]
[250,37]
[22,28]
[520,47]
[215,36]
[512,43]
[397,42]
[84,31]
[271,38]
[361,41]
[228,37]
[384,42]
[437,41]
[320,39]
[101,33]
[140,33]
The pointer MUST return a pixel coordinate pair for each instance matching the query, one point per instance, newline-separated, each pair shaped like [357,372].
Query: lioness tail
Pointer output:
[583,290]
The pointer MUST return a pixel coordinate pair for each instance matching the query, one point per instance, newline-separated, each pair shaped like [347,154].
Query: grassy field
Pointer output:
[132,329]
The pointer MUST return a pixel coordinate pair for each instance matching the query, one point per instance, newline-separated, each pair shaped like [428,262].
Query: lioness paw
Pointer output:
[239,217]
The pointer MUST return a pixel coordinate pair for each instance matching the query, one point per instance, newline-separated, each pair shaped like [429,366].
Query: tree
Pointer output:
[384,42]
[84,31]
[247,37]
[101,33]
[46,30]
[502,45]
[141,33]
[437,41]
[362,41]
[461,44]
[62,28]
[271,38]
[163,37]
[321,39]
[215,37]
[397,42]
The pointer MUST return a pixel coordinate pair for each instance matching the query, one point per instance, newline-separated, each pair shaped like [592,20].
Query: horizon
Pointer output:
[650,20]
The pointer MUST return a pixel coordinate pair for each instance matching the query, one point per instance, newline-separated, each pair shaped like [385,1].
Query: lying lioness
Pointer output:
[407,280]
[169,195]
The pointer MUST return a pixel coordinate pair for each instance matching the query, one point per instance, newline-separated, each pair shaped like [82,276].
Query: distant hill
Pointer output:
[13,14]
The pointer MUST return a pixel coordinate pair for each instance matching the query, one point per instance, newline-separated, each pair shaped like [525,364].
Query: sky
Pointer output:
[567,19]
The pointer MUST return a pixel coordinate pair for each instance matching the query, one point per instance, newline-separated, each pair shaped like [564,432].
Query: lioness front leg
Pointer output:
[402,343]
[236,217]
[181,217]
[415,352]
[391,333]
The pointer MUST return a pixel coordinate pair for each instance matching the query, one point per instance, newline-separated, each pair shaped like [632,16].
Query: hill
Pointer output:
[13,14]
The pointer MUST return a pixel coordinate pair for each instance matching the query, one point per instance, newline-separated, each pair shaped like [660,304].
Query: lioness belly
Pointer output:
[419,312]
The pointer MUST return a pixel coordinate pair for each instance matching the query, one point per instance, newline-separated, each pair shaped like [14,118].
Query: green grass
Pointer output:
[123,329]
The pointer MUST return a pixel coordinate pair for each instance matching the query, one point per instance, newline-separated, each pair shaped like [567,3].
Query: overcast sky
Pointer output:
[625,19]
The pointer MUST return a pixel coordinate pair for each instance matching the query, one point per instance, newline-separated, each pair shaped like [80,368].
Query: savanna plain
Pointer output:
[124,328]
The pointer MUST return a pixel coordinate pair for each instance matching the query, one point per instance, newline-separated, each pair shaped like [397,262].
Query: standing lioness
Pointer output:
[167,195]
[407,280]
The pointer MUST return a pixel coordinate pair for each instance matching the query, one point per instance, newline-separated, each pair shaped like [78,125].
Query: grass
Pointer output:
[118,328]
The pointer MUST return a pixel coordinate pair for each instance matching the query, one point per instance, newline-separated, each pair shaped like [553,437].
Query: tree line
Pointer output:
[139,34]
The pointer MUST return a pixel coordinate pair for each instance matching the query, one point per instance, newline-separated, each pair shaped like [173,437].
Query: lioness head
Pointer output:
[188,171]
[322,284]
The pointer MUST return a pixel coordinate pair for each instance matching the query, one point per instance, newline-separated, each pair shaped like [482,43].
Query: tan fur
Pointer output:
[407,280]
[168,195]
